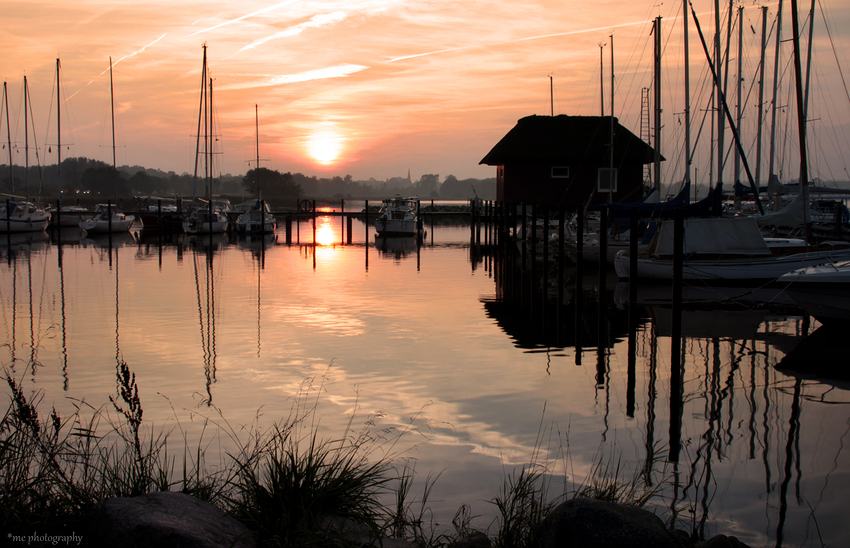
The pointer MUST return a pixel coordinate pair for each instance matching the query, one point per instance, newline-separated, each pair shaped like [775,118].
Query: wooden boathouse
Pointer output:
[566,160]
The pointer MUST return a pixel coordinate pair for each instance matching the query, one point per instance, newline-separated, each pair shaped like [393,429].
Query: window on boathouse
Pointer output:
[606,179]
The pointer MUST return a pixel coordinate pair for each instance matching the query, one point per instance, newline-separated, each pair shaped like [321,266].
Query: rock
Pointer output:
[583,523]
[358,534]
[472,539]
[167,520]
[721,541]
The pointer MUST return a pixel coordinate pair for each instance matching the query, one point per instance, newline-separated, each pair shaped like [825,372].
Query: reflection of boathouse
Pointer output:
[564,160]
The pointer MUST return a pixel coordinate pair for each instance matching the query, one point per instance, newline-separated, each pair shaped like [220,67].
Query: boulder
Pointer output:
[582,523]
[721,541]
[167,520]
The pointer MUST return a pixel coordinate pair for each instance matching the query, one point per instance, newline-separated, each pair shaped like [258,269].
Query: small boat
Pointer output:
[822,290]
[22,217]
[398,217]
[107,219]
[69,216]
[256,218]
[206,221]
[160,214]
[211,217]
[726,249]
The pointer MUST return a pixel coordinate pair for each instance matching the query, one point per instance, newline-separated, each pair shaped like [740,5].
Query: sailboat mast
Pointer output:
[26,142]
[688,158]
[761,94]
[717,91]
[611,157]
[739,79]
[809,58]
[801,111]
[112,108]
[772,157]
[58,132]
[201,116]
[9,138]
[211,138]
[257,127]
[601,82]
[657,110]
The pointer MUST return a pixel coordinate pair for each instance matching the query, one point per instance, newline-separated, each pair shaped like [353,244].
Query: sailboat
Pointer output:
[107,218]
[206,219]
[733,248]
[19,216]
[22,217]
[257,218]
[64,216]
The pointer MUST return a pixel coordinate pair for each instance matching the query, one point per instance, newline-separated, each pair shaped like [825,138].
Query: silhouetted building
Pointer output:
[563,160]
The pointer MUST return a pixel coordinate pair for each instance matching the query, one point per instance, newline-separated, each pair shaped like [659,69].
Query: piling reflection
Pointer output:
[206,301]
[733,363]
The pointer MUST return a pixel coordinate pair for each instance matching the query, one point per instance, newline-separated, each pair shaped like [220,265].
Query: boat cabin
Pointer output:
[564,160]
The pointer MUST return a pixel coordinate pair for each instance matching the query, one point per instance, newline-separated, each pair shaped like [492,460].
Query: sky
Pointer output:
[380,88]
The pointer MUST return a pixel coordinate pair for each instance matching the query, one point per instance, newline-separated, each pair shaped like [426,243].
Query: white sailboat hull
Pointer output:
[197,226]
[100,225]
[24,217]
[396,227]
[23,225]
[768,267]
[255,222]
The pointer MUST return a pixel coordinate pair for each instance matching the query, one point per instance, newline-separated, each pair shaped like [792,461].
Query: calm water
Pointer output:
[448,343]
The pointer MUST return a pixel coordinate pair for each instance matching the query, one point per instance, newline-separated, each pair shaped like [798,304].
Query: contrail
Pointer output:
[339,71]
[527,38]
[315,22]
[269,8]
[138,51]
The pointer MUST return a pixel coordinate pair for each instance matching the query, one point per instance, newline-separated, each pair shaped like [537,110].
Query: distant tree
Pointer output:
[142,183]
[427,185]
[104,181]
[273,184]
[467,189]
[451,189]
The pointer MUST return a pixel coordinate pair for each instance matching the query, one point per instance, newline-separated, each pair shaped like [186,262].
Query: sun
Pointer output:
[325,146]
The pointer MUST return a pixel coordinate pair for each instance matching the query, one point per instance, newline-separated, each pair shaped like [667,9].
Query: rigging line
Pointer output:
[834,53]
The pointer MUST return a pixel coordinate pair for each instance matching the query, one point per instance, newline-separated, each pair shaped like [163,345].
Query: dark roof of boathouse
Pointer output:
[562,138]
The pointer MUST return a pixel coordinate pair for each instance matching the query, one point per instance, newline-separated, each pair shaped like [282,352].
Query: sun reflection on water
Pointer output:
[326,233]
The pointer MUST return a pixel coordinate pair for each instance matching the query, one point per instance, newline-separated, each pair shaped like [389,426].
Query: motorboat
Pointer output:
[256,218]
[107,219]
[726,249]
[398,217]
[22,217]
[206,221]
[160,214]
[822,290]
[70,216]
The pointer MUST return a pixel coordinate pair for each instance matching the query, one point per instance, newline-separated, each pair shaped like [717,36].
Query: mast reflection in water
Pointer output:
[466,345]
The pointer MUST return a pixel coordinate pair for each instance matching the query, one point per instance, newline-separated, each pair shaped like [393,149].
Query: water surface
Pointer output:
[451,342]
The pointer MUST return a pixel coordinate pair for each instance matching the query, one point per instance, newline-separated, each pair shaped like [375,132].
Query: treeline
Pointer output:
[93,180]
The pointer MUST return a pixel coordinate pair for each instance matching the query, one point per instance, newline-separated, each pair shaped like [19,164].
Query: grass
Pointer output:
[286,484]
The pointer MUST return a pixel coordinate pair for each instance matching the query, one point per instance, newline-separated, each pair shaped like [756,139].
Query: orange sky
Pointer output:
[370,88]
